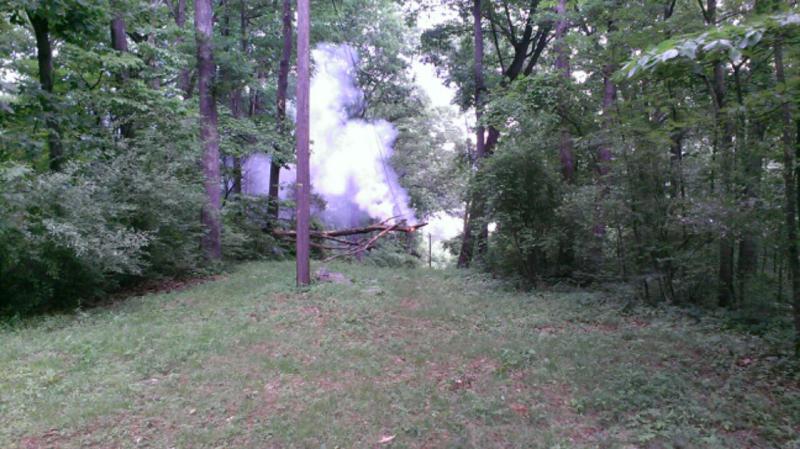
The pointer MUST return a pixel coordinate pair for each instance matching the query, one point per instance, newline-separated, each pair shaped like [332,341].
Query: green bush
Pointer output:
[392,252]
[246,237]
[71,235]
[523,197]
[60,237]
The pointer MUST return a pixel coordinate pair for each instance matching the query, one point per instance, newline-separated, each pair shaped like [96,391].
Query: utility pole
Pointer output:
[303,187]
[430,251]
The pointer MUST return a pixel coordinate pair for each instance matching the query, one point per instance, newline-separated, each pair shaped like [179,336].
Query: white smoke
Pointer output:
[350,156]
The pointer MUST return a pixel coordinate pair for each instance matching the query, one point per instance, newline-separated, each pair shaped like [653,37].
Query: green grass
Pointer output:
[437,359]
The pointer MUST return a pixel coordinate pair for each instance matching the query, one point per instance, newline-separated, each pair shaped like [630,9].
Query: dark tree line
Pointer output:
[651,143]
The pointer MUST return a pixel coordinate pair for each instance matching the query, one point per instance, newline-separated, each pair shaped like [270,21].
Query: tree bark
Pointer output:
[747,264]
[563,67]
[236,98]
[797,157]
[119,42]
[790,193]
[677,188]
[155,81]
[566,252]
[604,152]
[724,130]
[209,134]
[751,162]
[676,137]
[467,243]
[236,186]
[184,76]
[476,207]
[119,37]
[604,158]
[283,87]
[44,56]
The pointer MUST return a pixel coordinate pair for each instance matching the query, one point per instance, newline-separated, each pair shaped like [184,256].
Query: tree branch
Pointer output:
[353,231]
[513,35]
[704,11]
[496,43]
[540,45]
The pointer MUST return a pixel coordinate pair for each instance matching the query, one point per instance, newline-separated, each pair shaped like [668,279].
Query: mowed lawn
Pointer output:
[399,358]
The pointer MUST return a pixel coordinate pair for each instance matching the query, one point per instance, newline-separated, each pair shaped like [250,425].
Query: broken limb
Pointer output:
[351,248]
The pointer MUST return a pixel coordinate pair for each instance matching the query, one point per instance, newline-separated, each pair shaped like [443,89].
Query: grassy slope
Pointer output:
[431,358]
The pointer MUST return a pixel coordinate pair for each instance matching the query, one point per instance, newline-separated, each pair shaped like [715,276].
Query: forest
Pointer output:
[643,151]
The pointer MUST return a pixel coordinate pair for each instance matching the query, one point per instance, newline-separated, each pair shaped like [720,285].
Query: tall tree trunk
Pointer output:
[723,143]
[155,81]
[677,189]
[724,131]
[236,186]
[725,291]
[236,98]
[604,153]
[44,56]
[725,287]
[566,252]
[747,264]
[790,187]
[563,67]
[476,208]
[119,38]
[467,243]
[283,86]
[797,156]
[604,158]
[481,151]
[119,42]
[209,134]
[185,75]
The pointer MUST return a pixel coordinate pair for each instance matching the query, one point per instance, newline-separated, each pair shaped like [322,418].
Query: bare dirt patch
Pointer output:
[157,287]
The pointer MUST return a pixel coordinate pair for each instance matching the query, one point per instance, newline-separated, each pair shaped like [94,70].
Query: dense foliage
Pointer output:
[101,184]
[652,143]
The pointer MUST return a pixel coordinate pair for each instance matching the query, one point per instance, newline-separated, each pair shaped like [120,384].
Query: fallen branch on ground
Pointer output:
[352,231]
[351,248]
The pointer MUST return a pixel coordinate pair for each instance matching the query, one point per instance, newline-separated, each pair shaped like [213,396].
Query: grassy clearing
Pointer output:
[425,359]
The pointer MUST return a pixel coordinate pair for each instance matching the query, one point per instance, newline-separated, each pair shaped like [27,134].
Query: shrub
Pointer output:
[246,237]
[71,235]
[522,199]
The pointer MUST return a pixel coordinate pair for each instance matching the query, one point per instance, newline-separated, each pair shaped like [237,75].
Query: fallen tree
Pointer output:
[352,247]
[332,235]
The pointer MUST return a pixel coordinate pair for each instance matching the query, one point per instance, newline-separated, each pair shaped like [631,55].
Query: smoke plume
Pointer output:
[350,156]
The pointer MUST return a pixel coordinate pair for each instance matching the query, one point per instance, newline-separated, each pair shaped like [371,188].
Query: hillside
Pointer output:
[398,358]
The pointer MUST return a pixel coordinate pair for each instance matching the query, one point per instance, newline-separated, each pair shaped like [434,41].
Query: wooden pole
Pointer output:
[303,187]
[430,251]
